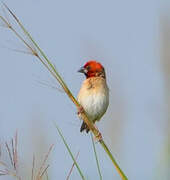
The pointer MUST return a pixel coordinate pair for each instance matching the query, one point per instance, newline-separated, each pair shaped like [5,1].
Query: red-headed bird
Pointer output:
[94,93]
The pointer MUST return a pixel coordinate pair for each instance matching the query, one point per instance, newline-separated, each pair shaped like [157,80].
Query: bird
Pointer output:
[93,96]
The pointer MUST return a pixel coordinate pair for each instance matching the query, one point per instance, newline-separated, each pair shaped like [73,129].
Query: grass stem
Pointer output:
[95,153]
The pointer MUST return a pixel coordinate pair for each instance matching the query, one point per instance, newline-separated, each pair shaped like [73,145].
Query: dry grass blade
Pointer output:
[8,25]
[45,170]
[33,166]
[5,15]
[18,50]
[15,156]
[4,22]
[71,170]
[47,84]
[44,162]
[9,153]
[13,152]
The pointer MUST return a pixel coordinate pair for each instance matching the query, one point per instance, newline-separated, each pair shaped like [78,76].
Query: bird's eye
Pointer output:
[88,68]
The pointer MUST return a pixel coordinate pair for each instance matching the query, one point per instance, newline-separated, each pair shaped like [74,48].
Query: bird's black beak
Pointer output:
[82,70]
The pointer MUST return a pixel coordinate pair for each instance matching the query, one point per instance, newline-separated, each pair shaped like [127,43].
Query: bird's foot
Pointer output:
[80,110]
[98,137]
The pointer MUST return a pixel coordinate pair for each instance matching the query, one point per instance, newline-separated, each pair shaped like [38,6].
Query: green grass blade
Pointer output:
[71,154]
[95,153]
[119,170]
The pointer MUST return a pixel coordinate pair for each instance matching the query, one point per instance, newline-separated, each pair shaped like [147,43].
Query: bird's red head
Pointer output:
[93,69]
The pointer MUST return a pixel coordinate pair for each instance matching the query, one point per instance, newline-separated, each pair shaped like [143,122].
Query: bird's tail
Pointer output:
[84,127]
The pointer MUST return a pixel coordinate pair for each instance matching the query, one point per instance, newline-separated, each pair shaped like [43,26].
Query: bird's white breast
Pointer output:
[94,98]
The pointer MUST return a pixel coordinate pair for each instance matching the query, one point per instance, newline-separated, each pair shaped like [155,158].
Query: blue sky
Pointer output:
[128,38]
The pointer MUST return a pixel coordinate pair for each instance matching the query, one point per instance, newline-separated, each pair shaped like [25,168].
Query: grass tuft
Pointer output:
[13,169]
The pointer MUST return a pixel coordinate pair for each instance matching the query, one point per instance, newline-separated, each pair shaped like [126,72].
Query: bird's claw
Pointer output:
[98,137]
[80,110]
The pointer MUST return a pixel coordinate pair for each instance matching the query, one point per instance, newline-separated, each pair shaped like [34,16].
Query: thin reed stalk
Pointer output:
[95,154]
[68,148]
